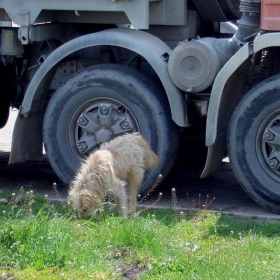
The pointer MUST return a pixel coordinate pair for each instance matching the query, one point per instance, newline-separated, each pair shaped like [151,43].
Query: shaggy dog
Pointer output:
[108,171]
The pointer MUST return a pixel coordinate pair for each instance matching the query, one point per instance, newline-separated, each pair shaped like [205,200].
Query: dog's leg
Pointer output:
[119,190]
[135,179]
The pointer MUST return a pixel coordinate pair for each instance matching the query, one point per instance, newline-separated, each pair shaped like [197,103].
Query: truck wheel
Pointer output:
[254,143]
[100,103]
[230,8]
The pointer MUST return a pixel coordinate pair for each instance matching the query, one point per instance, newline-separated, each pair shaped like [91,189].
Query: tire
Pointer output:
[230,9]
[254,143]
[99,103]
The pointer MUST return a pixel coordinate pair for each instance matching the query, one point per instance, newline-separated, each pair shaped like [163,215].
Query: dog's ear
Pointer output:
[87,201]
[86,195]
[98,178]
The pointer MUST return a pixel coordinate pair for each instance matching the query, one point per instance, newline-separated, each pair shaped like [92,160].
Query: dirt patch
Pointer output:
[7,276]
[133,270]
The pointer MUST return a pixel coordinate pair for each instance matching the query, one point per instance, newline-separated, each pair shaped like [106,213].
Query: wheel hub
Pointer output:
[103,135]
[99,121]
[268,150]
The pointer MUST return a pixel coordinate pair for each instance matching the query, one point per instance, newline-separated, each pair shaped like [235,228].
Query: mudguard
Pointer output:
[148,46]
[225,95]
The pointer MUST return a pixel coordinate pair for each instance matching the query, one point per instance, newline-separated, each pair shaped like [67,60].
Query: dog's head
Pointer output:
[83,199]
[87,189]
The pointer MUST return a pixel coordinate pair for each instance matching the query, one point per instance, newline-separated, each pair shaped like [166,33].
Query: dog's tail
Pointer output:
[151,159]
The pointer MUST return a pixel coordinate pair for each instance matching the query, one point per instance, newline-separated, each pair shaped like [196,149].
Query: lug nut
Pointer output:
[82,147]
[81,119]
[268,135]
[104,108]
[273,163]
[125,124]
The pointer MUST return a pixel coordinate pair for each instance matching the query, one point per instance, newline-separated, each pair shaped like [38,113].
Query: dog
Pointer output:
[118,165]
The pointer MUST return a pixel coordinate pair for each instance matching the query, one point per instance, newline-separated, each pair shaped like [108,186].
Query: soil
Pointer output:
[7,276]
[132,271]
[220,191]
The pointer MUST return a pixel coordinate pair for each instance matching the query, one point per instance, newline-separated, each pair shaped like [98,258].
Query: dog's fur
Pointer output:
[116,165]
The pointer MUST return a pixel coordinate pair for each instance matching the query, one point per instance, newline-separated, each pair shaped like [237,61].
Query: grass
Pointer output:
[41,240]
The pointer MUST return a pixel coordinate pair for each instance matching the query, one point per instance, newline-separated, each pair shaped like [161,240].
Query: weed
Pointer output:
[151,189]
[173,199]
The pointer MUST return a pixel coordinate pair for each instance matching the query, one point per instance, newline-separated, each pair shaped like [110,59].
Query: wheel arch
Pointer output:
[222,105]
[143,43]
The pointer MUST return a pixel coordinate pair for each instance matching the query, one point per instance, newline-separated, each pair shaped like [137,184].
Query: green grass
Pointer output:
[44,241]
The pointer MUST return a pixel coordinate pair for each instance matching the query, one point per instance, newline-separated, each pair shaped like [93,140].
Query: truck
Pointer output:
[83,72]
